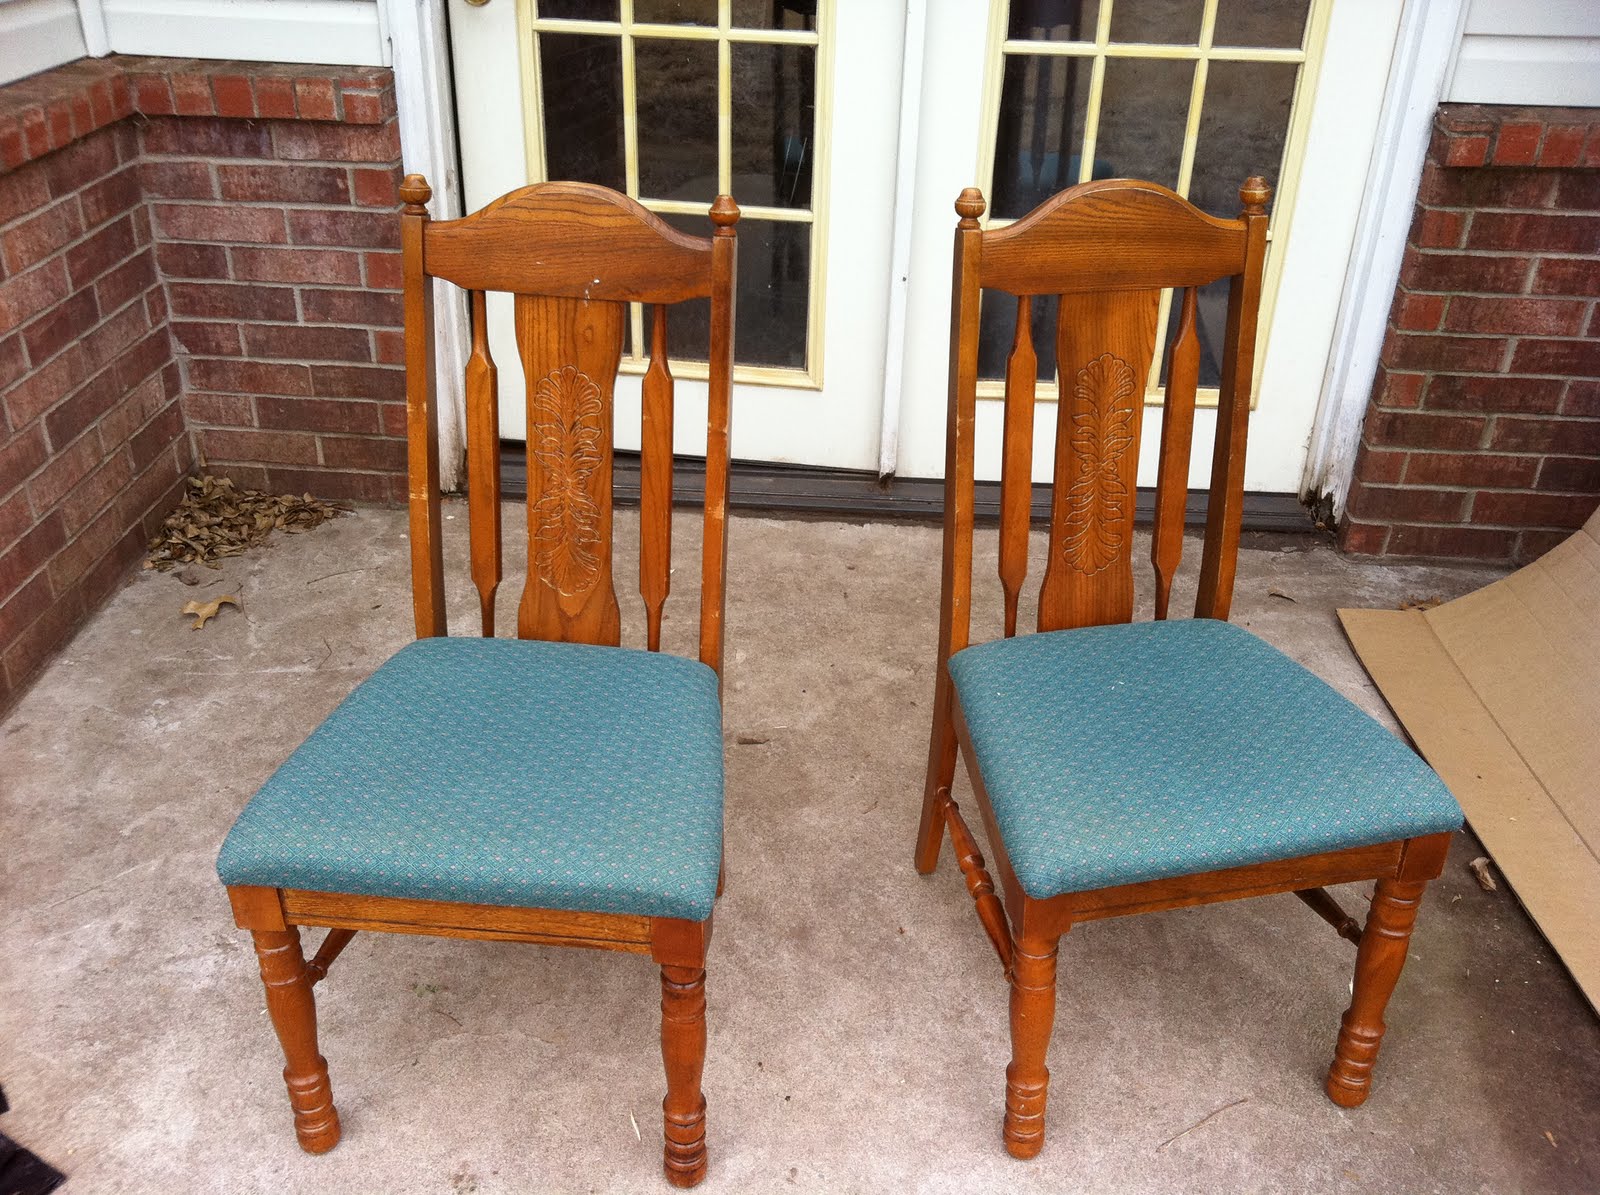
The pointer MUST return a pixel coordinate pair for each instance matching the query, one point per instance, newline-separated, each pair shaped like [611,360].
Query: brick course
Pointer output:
[195,258]
[1483,436]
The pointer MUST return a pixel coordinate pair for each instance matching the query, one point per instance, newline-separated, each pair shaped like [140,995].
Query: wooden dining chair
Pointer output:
[553,788]
[1129,768]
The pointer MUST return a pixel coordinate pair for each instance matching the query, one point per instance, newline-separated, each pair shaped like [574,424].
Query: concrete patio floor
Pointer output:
[858,1016]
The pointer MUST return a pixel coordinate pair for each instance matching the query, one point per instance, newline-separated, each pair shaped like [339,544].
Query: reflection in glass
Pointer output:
[1210,324]
[997,327]
[675,12]
[581,86]
[774,123]
[774,14]
[676,88]
[579,10]
[1040,131]
[773,296]
[1053,20]
[1144,109]
[1243,128]
[1277,23]
[1173,23]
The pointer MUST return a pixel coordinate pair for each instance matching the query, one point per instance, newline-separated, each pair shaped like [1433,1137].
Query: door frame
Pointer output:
[1424,57]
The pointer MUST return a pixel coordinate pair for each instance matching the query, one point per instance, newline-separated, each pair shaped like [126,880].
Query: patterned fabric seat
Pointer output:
[503,772]
[1143,751]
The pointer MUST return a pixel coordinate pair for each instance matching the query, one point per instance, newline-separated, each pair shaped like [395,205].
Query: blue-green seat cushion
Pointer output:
[1119,754]
[503,772]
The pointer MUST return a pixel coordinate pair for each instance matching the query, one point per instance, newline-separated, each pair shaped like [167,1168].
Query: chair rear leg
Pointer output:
[683,1051]
[1379,958]
[294,1015]
[1033,1012]
[941,775]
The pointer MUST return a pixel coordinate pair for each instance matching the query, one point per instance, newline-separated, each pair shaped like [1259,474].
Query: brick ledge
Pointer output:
[54,108]
[1471,135]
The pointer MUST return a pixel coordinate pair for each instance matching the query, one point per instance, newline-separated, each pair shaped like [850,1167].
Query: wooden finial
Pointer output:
[969,206]
[415,192]
[1254,195]
[724,214]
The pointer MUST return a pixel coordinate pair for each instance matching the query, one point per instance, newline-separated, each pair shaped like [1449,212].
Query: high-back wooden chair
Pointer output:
[1128,768]
[553,788]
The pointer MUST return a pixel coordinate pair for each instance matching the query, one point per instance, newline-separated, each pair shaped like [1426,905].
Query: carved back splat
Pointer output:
[1104,343]
[573,256]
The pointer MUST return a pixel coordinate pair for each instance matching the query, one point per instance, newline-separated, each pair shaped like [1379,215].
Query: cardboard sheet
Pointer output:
[1500,691]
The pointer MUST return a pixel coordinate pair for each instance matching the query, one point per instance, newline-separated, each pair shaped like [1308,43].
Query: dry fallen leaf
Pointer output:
[1550,1137]
[205,611]
[1288,597]
[1480,869]
[1427,603]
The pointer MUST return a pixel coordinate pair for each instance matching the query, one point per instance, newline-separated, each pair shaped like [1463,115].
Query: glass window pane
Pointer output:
[1144,109]
[675,12]
[775,14]
[773,297]
[997,327]
[1053,20]
[676,87]
[1210,325]
[774,123]
[579,10]
[1243,127]
[1040,132]
[581,84]
[1172,23]
[1277,23]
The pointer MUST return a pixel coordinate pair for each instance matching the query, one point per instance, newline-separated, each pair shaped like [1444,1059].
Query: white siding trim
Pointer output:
[1498,69]
[36,35]
[1429,33]
[338,32]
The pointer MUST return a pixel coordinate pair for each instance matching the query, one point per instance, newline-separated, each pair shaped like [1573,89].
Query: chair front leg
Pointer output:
[683,1051]
[294,1015]
[1379,958]
[1033,1012]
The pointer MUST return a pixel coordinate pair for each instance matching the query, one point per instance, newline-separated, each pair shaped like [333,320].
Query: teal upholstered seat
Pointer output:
[503,772]
[1118,754]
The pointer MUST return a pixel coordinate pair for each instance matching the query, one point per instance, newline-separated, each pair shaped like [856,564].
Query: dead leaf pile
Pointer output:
[216,519]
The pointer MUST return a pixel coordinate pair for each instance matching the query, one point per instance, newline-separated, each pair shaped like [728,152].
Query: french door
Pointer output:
[795,106]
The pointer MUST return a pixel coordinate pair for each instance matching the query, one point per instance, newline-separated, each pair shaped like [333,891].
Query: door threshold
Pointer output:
[809,490]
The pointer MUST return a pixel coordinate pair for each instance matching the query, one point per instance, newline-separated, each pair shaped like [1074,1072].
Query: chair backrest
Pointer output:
[574,256]
[1107,248]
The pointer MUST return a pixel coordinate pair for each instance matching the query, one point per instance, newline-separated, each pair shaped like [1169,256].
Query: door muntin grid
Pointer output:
[1194,94]
[675,101]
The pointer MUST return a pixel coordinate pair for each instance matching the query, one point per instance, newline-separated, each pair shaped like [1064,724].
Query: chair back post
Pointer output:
[955,602]
[1225,508]
[719,407]
[422,429]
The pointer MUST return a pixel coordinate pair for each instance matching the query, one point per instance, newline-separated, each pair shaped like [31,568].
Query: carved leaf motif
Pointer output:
[1102,430]
[565,436]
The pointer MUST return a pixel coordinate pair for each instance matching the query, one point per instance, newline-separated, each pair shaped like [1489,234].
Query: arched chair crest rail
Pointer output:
[554,788]
[1126,768]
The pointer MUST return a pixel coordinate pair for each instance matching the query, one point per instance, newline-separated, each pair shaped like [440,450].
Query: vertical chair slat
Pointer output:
[483,464]
[655,480]
[719,402]
[1016,465]
[1177,434]
[422,429]
[1225,505]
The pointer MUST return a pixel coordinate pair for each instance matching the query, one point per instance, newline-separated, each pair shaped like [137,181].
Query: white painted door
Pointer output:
[790,105]
[1031,96]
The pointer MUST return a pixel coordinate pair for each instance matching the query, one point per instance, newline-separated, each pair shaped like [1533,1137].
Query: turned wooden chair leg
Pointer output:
[1379,958]
[941,775]
[294,1016]
[683,1050]
[1033,1012]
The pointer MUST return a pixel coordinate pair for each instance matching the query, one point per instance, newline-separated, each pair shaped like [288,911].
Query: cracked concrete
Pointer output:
[858,1017]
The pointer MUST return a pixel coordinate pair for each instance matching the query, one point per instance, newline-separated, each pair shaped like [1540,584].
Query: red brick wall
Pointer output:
[1483,437]
[193,256]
